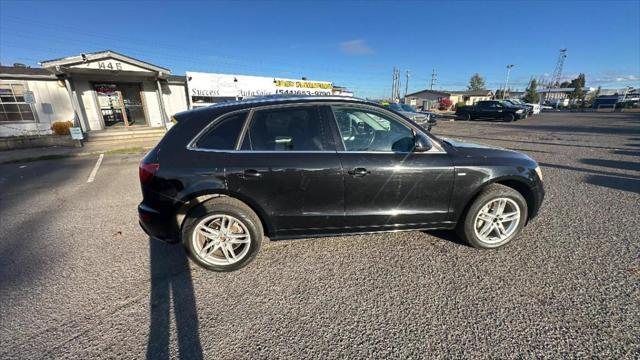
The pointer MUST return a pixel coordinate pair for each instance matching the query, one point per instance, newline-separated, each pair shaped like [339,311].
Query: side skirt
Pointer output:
[450,225]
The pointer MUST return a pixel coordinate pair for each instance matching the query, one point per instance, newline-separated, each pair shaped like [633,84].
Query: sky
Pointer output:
[353,44]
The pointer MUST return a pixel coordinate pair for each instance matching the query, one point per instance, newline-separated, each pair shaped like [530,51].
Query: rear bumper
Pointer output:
[156,225]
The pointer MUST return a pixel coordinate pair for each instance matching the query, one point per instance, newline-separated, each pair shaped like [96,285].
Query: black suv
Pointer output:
[226,175]
[491,109]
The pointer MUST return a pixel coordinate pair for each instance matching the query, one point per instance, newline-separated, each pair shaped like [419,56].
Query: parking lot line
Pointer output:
[92,176]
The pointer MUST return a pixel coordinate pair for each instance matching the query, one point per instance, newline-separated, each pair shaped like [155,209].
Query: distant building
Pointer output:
[559,94]
[426,99]
[96,91]
[108,90]
[515,94]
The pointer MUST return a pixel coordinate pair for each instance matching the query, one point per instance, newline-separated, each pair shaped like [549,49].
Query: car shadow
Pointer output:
[171,284]
[447,235]
[615,182]
[615,164]
[627,152]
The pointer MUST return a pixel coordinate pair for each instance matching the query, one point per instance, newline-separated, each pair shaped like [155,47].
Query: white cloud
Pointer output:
[355,47]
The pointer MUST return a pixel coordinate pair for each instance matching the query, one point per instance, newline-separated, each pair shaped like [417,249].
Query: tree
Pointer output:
[476,83]
[578,87]
[531,94]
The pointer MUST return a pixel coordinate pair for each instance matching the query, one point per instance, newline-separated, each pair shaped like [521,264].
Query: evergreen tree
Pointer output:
[578,87]
[532,95]
[476,83]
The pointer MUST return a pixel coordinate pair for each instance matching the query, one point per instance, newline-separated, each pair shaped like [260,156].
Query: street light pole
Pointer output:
[506,83]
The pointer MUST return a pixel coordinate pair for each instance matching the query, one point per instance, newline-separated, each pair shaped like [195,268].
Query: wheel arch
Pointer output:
[194,200]
[519,184]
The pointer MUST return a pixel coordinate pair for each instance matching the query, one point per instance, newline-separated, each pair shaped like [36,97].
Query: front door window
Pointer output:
[120,104]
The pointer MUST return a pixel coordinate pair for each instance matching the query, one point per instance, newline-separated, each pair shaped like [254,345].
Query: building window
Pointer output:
[12,105]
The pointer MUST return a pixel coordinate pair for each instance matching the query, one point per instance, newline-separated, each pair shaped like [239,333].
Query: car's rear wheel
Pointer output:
[496,216]
[222,234]
[508,117]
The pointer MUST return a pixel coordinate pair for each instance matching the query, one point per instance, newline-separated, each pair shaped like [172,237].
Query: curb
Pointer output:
[128,150]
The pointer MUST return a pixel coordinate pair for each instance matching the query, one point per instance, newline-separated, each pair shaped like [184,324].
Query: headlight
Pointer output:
[539,172]
[519,111]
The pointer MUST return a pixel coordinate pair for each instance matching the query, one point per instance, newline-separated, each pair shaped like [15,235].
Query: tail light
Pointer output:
[147,172]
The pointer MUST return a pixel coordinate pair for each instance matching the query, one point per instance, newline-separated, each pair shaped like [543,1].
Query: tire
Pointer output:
[471,225]
[464,116]
[508,117]
[240,221]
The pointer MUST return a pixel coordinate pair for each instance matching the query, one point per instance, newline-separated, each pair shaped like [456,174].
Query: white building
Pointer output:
[209,88]
[96,91]
[107,90]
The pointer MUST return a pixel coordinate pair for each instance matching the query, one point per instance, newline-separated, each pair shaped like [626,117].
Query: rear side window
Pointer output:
[285,129]
[224,134]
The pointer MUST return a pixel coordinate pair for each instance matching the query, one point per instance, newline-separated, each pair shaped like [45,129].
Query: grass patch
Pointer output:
[131,150]
[38,158]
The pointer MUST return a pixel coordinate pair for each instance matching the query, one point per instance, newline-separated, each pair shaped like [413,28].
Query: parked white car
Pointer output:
[536,107]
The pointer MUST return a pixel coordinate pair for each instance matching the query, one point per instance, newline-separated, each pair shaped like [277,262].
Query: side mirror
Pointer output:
[422,143]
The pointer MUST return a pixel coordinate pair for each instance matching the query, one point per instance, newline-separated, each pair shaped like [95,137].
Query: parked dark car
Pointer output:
[491,109]
[425,119]
[226,175]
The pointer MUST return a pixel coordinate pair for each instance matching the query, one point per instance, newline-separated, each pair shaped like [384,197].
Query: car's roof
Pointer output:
[229,106]
[273,99]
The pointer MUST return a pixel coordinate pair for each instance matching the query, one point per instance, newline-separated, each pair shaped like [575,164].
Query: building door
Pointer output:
[120,105]
[132,102]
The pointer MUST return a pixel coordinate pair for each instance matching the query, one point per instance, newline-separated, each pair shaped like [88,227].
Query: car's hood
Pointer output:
[412,115]
[468,149]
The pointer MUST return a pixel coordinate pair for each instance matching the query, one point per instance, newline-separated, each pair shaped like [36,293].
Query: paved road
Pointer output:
[78,279]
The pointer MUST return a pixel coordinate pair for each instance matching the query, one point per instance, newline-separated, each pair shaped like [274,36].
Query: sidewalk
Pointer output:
[57,152]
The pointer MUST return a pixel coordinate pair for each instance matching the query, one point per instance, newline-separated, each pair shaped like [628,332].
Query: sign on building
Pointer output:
[209,88]
[28,97]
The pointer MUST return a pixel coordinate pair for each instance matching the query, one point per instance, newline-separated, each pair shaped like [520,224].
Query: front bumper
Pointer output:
[538,198]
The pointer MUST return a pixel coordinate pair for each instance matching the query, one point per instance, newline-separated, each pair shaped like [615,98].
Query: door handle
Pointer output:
[359,172]
[252,173]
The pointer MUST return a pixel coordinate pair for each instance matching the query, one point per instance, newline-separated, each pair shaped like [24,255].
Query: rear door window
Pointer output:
[285,129]
[224,134]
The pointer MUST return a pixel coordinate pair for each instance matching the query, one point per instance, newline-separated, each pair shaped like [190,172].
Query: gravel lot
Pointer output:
[79,279]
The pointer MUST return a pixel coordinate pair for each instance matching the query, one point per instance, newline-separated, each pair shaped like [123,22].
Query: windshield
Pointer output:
[395,107]
[408,108]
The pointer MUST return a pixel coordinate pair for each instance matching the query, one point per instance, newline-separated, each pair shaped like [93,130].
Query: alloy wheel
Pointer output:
[221,240]
[497,220]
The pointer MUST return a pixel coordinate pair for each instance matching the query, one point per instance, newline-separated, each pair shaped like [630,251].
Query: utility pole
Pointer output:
[433,78]
[506,83]
[406,84]
[393,84]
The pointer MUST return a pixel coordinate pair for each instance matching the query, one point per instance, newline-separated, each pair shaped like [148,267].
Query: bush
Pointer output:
[61,127]
[460,104]
[445,103]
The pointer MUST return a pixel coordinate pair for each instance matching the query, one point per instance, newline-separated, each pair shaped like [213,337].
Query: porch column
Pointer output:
[76,105]
[163,113]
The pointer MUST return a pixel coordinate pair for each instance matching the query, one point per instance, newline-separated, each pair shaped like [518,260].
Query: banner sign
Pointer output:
[208,86]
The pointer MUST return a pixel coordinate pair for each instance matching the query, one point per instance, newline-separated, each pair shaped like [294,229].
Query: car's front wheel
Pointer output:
[496,217]
[222,234]
[508,117]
